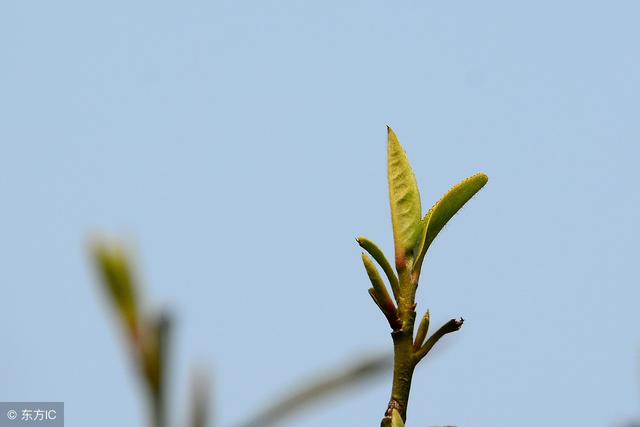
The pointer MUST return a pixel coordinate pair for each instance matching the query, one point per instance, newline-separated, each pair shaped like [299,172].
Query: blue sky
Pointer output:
[240,147]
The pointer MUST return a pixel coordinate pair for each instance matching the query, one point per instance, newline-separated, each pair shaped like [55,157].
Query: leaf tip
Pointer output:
[392,138]
[483,177]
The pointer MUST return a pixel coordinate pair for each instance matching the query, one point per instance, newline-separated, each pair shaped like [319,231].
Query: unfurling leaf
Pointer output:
[447,207]
[381,294]
[396,419]
[404,196]
[378,255]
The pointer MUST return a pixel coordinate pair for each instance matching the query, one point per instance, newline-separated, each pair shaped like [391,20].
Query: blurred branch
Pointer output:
[321,388]
[199,409]
[157,377]
[147,333]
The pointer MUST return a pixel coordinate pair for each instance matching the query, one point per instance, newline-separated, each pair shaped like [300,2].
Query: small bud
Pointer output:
[423,330]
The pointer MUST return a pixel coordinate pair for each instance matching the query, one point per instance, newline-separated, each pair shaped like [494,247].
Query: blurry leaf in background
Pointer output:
[326,385]
[115,271]
[148,333]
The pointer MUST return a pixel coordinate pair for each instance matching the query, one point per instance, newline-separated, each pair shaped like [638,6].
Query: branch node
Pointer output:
[393,404]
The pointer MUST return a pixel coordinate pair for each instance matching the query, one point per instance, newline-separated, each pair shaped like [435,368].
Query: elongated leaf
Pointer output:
[382,295]
[448,206]
[404,197]
[396,419]
[378,255]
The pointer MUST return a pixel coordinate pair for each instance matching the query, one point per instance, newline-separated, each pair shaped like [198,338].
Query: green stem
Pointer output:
[403,368]
[404,362]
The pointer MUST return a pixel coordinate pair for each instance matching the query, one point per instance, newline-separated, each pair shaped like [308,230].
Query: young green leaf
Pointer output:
[396,419]
[382,296]
[378,255]
[404,197]
[447,207]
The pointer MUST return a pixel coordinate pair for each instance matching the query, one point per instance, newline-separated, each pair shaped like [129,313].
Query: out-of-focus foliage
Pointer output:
[147,334]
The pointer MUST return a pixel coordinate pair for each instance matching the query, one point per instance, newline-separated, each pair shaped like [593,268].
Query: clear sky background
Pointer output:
[240,147]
